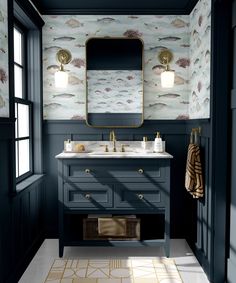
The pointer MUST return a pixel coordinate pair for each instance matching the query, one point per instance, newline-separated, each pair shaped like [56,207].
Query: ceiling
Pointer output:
[115,6]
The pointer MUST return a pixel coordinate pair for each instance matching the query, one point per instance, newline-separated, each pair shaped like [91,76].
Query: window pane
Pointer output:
[17,46]
[18,82]
[24,162]
[23,120]
[17,169]
[16,123]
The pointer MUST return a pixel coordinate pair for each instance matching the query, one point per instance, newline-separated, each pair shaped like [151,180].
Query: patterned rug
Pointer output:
[132,270]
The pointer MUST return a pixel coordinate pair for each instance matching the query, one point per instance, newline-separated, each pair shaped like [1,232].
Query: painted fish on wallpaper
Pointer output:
[150,26]
[182,117]
[1,17]
[183,62]
[80,102]
[169,95]
[130,101]
[200,19]
[73,80]
[207,56]
[184,102]
[133,17]
[178,23]
[53,68]
[158,69]
[132,33]
[179,80]
[52,106]
[195,34]
[157,48]
[158,106]
[169,38]
[108,89]
[3,76]
[64,38]
[199,86]
[77,62]
[63,95]
[107,20]
[196,61]
[185,45]
[2,102]
[73,23]
[2,50]
[52,48]
[130,78]
[150,83]
[79,45]
[199,42]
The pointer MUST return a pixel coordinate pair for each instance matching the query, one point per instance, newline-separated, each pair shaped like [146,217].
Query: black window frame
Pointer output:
[24,101]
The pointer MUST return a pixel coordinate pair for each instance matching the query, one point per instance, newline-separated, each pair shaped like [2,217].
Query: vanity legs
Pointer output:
[61,249]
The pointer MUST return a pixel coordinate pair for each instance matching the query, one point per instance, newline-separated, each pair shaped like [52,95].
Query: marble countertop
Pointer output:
[94,150]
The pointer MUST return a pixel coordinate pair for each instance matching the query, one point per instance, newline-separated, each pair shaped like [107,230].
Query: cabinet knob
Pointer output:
[87,170]
[87,196]
[140,196]
[140,171]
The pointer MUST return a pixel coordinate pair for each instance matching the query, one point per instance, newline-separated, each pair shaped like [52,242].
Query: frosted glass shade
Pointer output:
[61,79]
[167,79]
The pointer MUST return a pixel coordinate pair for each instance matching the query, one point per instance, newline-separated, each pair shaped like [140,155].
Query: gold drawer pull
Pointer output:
[140,196]
[87,196]
[87,171]
[140,171]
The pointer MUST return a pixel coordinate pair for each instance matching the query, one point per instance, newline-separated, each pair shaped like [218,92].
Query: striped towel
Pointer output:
[193,176]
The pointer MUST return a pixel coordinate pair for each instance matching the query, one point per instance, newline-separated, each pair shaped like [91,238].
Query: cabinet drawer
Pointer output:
[139,195]
[90,195]
[141,169]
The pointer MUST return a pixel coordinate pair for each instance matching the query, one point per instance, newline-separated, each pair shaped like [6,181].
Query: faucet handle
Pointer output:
[123,147]
[106,147]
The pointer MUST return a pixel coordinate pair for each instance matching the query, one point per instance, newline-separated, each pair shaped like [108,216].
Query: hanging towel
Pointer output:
[193,176]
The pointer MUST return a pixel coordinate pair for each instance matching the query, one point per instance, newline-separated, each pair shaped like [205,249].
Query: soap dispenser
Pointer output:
[158,143]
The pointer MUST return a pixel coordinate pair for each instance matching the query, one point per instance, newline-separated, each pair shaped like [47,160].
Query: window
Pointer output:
[23,106]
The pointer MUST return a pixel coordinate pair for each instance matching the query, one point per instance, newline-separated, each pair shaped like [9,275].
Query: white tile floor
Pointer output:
[187,264]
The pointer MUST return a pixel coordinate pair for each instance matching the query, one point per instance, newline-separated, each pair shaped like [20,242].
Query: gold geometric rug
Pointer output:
[131,270]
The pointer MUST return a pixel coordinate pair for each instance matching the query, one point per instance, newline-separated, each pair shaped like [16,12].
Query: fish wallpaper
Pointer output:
[200,63]
[119,91]
[157,31]
[4,89]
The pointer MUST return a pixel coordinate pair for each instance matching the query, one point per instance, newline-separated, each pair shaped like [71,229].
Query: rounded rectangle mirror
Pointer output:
[114,82]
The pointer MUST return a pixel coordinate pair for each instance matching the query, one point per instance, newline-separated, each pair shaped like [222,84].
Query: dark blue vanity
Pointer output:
[136,185]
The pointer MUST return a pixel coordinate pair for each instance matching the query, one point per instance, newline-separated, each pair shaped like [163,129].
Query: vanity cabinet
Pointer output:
[137,186]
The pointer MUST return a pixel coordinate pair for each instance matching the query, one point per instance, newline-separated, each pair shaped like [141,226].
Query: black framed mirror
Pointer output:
[114,82]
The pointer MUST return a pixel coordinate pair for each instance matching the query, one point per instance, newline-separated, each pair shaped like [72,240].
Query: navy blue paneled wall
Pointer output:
[176,135]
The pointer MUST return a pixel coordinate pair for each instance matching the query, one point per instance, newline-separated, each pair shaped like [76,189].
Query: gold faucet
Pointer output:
[113,139]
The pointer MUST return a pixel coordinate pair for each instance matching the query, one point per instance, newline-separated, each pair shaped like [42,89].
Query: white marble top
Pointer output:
[94,150]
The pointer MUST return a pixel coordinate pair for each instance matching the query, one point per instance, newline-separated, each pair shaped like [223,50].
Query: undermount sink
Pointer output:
[118,153]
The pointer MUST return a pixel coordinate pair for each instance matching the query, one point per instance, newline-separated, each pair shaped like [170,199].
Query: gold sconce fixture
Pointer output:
[63,56]
[167,76]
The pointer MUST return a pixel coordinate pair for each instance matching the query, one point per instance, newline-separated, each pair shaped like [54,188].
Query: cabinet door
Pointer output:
[88,195]
[140,195]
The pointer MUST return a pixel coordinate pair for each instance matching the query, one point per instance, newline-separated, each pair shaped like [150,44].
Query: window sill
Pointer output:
[28,182]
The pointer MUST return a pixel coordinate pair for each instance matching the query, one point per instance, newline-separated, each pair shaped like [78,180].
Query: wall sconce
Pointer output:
[61,76]
[167,76]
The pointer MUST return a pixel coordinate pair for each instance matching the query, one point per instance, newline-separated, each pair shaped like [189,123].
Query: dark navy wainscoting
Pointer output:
[232,232]
[189,217]
[21,217]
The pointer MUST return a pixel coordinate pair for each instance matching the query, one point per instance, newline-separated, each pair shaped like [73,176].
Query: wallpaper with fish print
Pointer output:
[200,53]
[118,91]
[4,90]
[158,33]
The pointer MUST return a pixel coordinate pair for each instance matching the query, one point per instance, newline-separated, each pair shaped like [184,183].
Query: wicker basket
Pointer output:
[132,231]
